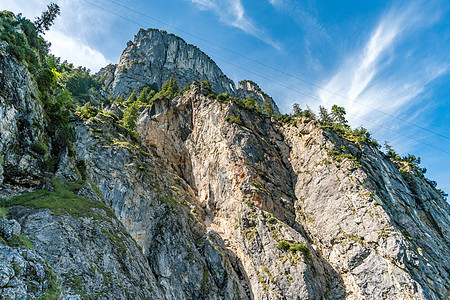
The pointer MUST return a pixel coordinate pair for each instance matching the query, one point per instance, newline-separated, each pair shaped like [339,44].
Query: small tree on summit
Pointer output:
[47,18]
[324,116]
[338,114]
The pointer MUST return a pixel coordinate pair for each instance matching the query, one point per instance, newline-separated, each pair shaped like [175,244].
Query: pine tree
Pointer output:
[338,114]
[268,108]
[47,18]
[324,116]
[132,98]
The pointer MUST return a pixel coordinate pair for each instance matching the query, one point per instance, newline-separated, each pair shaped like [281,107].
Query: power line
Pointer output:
[278,83]
[360,117]
[283,72]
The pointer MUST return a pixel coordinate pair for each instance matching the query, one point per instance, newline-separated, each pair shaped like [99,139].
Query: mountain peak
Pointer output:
[155,55]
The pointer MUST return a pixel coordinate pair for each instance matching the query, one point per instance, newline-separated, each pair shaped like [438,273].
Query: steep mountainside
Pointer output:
[205,198]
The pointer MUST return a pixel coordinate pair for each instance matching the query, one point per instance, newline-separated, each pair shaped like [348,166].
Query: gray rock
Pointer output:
[9,228]
[24,274]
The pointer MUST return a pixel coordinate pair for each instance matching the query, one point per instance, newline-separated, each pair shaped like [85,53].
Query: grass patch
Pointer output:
[20,240]
[3,212]
[53,292]
[63,200]
[293,247]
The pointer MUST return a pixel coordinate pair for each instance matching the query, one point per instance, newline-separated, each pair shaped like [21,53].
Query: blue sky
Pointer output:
[386,62]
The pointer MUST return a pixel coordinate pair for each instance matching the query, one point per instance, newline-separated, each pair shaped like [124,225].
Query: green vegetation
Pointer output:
[206,89]
[272,220]
[81,166]
[20,240]
[268,107]
[340,156]
[63,200]
[40,148]
[53,292]
[284,245]
[293,247]
[130,116]
[3,213]
[169,90]
[409,165]
[235,120]
[47,18]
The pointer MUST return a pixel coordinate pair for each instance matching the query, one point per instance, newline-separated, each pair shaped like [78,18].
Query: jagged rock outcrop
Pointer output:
[248,88]
[154,56]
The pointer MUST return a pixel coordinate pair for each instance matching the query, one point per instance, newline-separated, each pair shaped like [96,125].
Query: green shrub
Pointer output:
[284,245]
[300,247]
[169,90]
[235,120]
[87,111]
[130,117]
[293,247]
[39,148]
[81,166]
[272,220]
[223,98]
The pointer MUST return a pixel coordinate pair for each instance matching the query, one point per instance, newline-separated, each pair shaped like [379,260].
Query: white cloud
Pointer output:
[378,76]
[75,51]
[232,13]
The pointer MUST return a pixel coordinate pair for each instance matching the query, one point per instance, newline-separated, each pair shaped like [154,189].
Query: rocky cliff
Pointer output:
[154,57]
[209,199]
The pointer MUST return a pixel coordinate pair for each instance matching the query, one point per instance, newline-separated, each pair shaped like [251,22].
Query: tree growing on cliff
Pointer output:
[268,107]
[324,117]
[169,90]
[338,114]
[47,18]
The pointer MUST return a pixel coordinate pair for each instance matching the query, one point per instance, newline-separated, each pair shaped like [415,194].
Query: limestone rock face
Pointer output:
[160,212]
[23,273]
[368,232]
[92,257]
[154,56]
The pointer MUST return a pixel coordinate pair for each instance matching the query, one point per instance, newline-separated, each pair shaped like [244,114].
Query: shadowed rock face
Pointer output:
[21,123]
[154,56]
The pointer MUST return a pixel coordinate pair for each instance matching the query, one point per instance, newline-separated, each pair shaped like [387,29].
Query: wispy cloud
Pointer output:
[232,13]
[380,75]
